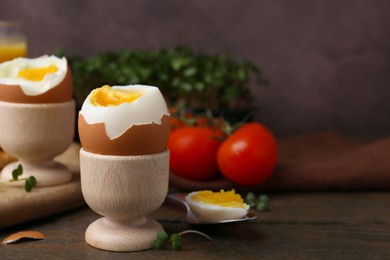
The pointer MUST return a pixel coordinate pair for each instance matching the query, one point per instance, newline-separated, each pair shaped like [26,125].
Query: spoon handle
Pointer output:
[180,197]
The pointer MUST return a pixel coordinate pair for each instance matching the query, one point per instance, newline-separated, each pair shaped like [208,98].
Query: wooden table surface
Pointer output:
[350,225]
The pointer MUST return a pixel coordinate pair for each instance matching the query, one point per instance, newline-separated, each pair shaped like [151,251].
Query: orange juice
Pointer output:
[13,42]
[11,51]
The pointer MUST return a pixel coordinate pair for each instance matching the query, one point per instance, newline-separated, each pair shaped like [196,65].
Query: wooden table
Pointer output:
[297,226]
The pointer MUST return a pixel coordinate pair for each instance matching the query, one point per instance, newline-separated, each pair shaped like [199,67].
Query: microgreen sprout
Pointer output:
[17,172]
[261,203]
[30,182]
[250,199]
[163,239]
[176,242]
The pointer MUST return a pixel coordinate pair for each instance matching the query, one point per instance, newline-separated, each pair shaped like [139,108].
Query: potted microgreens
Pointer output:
[187,78]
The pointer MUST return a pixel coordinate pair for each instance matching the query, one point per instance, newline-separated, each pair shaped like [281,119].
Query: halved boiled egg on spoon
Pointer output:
[217,206]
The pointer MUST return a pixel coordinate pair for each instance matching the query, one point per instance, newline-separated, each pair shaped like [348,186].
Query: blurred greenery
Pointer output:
[183,75]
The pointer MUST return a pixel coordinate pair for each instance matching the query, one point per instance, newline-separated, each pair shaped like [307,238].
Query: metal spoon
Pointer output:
[192,219]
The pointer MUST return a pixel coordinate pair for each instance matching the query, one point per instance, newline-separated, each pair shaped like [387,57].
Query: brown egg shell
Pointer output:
[31,234]
[137,140]
[5,159]
[61,93]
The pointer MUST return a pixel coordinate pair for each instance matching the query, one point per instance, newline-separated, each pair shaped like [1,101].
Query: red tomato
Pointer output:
[194,152]
[176,121]
[177,124]
[193,120]
[249,156]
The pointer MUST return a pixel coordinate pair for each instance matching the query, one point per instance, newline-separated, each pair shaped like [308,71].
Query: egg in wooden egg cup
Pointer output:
[124,164]
[37,118]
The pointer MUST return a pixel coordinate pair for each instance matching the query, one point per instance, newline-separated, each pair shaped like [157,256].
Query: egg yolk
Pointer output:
[106,96]
[223,198]
[37,74]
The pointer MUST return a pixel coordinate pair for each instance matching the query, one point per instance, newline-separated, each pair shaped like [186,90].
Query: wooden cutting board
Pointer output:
[18,206]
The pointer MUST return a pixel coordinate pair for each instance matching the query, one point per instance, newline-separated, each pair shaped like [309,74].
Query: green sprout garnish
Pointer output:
[30,182]
[251,199]
[163,239]
[261,203]
[17,172]
[176,242]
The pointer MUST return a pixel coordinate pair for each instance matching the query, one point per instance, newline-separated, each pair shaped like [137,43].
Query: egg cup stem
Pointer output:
[109,235]
[46,173]
[35,134]
[124,189]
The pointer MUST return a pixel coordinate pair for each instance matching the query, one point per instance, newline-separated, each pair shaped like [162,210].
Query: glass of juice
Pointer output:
[13,42]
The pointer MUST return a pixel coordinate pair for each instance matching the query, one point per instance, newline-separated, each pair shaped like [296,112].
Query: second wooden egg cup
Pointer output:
[35,134]
[124,189]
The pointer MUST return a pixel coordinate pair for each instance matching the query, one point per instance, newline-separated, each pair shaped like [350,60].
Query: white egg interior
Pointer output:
[213,212]
[149,108]
[9,73]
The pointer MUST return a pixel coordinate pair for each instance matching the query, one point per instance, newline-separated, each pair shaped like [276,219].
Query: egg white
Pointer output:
[149,108]
[9,73]
[213,212]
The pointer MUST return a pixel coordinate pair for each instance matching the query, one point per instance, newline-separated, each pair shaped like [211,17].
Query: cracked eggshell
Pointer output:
[137,128]
[30,234]
[57,87]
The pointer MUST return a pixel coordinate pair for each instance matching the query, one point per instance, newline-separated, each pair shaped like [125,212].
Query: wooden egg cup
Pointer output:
[35,134]
[124,189]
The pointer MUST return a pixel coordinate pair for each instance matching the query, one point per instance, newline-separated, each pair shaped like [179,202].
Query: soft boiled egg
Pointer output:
[124,120]
[217,206]
[46,79]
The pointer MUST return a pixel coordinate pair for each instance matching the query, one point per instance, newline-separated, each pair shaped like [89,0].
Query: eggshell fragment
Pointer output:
[61,93]
[5,159]
[137,140]
[30,234]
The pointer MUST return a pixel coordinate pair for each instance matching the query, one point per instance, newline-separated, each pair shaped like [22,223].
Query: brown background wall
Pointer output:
[328,61]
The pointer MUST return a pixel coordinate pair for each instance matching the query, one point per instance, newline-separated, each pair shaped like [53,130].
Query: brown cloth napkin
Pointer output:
[316,162]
